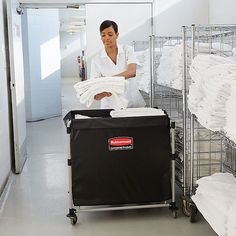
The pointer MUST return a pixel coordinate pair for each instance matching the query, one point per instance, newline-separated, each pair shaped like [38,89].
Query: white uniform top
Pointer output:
[102,66]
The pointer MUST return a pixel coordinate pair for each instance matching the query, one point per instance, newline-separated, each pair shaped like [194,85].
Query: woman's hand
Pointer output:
[102,95]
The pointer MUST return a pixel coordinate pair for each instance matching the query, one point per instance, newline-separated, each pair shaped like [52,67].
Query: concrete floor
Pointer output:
[37,202]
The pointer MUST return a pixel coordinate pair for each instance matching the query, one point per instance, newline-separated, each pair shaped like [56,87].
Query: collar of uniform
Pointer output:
[120,50]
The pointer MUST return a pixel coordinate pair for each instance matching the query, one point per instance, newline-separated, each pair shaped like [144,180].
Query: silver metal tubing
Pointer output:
[192,118]
[71,205]
[173,163]
[184,108]
[115,208]
[151,43]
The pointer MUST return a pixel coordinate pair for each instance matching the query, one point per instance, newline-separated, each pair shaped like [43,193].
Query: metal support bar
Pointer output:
[184,109]
[151,47]
[192,118]
[71,205]
[115,208]
[173,160]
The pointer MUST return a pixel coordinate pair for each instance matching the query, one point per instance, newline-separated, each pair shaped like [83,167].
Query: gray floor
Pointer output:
[37,201]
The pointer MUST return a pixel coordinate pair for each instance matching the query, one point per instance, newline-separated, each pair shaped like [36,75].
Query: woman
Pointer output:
[116,60]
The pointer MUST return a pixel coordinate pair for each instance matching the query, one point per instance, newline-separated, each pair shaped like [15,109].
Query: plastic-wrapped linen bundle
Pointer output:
[212,77]
[230,127]
[169,72]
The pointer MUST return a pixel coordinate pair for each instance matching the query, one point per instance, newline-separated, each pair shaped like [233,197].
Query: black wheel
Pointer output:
[186,208]
[175,214]
[193,213]
[73,220]
[72,216]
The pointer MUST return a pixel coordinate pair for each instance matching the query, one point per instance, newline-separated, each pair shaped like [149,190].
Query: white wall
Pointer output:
[5,157]
[170,15]
[222,11]
[133,22]
[43,91]
[71,47]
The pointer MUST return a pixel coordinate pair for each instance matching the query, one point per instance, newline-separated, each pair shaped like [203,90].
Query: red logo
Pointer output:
[120,143]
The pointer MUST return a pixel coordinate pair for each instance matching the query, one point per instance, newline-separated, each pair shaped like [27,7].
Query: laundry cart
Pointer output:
[119,163]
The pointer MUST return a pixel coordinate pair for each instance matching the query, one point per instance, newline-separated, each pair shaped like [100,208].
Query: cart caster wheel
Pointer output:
[189,209]
[186,209]
[175,214]
[73,220]
[72,216]
[174,209]
[193,213]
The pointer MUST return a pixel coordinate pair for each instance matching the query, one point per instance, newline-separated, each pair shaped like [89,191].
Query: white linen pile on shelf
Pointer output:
[212,78]
[169,72]
[86,90]
[143,70]
[143,75]
[230,126]
[215,199]
[140,111]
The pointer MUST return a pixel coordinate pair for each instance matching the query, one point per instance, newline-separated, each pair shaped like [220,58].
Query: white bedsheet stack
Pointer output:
[230,127]
[86,90]
[215,199]
[169,72]
[212,78]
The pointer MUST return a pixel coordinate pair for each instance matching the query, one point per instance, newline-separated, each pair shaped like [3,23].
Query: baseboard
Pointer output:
[5,191]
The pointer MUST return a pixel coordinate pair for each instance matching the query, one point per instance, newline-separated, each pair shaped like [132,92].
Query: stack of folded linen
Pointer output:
[143,75]
[230,126]
[169,72]
[86,90]
[214,198]
[140,111]
[212,77]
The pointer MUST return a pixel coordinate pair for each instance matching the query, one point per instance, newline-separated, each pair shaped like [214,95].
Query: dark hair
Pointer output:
[108,23]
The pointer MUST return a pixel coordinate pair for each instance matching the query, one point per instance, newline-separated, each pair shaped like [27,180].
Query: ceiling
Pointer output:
[72,20]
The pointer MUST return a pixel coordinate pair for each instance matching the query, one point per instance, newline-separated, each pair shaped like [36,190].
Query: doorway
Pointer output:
[114,11]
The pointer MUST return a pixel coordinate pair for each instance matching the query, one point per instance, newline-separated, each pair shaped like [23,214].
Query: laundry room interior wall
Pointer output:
[170,15]
[42,57]
[222,12]
[5,156]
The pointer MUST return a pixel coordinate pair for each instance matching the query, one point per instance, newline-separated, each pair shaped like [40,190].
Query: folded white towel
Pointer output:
[144,111]
[215,198]
[86,90]
[78,116]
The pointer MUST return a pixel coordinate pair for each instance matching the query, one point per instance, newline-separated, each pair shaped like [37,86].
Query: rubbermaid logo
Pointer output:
[120,143]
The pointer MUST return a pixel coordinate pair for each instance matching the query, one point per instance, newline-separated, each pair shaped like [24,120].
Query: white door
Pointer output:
[17,84]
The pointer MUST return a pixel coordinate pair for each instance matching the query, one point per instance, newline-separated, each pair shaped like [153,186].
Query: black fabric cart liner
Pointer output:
[102,176]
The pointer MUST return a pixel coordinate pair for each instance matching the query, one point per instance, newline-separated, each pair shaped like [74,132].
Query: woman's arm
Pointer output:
[130,72]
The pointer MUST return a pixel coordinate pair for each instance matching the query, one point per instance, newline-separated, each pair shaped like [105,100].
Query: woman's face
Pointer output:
[109,37]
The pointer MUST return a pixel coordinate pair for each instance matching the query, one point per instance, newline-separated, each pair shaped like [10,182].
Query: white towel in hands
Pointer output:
[117,86]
